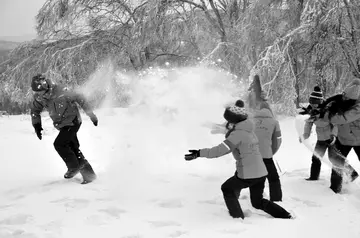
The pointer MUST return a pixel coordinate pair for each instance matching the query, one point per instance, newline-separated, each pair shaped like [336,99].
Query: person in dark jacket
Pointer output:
[325,131]
[343,110]
[250,173]
[62,106]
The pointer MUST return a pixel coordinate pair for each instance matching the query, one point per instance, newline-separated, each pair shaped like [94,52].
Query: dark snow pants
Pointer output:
[340,165]
[231,190]
[274,180]
[320,149]
[67,145]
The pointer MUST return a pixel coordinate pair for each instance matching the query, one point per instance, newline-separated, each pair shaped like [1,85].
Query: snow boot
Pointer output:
[71,173]
[87,172]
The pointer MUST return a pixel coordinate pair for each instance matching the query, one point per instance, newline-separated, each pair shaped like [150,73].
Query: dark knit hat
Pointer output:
[37,83]
[316,97]
[235,114]
[239,103]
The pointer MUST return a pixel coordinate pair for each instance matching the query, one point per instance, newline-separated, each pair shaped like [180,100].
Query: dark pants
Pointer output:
[274,180]
[231,190]
[320,149]
[67,145]
[340,165]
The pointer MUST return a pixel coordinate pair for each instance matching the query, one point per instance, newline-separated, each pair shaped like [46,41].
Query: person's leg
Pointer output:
[62,145]
[337,155]
[274,180]
[86,169]
[75,146]
[320,149]
[259,202]
[231,190]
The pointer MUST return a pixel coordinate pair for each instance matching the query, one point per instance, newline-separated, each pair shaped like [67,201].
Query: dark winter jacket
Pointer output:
[62,106]
[348,125]
[324,129]
[244,145]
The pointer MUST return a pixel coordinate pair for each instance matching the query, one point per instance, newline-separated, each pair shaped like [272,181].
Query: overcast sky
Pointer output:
[17,18]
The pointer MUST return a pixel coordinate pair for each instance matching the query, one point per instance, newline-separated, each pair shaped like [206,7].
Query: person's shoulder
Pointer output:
[62,89]
[37,98]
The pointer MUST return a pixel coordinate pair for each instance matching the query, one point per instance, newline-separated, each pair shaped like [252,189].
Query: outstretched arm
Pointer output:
[85,105]
[226,147]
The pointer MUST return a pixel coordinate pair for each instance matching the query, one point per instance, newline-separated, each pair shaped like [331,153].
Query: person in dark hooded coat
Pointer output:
[62,105]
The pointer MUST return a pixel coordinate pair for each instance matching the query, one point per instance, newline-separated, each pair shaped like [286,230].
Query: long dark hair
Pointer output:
[336,105]
[255,89]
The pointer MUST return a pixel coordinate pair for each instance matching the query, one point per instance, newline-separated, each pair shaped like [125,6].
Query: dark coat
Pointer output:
[62,106]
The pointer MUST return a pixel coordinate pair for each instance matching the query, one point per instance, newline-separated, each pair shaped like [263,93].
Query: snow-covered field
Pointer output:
[145,187]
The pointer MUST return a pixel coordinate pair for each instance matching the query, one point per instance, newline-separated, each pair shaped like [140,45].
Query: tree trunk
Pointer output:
[294,65]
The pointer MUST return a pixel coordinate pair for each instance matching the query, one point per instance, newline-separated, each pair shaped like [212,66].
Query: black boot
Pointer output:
[315,169]
[271,208]
[71,173]
[87,172]
[336,180]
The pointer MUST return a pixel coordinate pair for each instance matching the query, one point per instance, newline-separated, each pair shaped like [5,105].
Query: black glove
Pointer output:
[314,112]
[38,130]
[193,155]
[94,119]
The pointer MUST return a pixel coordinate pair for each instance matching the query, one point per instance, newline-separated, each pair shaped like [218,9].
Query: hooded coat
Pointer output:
[242,142]
[61,104]
[267,129]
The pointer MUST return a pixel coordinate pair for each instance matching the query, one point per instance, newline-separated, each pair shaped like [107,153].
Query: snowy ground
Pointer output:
[146,188]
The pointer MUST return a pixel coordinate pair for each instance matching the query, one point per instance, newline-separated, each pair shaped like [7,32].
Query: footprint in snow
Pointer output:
[97,220]
[4,207]
[177,234]
[173,203]
[306,202]
[18,233]
[113,211]
[163,223]
[212,202]
[72,202]
[297,173]
[50,185]
[19,219]
[53,226]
